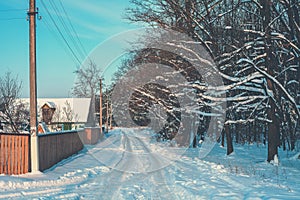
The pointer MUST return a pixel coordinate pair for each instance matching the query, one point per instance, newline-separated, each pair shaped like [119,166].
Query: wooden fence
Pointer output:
[14,153]
[55,147]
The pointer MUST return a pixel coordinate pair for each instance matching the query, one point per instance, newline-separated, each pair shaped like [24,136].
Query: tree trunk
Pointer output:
[248,125]
[291,133]
[223,138]
[228,140]
[255,132]
[283,143]
[237,133]
[293,142]
[265,128]
[273,131]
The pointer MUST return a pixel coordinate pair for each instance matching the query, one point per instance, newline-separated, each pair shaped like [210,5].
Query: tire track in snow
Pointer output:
[160,184]
[125,178]
[176,181]
[121,172]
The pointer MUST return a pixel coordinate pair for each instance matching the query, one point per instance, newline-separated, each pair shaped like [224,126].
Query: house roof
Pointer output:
[50,104]
[79,106]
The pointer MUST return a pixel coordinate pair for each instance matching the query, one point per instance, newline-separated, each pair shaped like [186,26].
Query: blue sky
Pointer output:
[94,21]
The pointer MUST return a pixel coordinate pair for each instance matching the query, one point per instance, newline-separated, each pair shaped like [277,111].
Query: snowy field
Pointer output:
[124,166]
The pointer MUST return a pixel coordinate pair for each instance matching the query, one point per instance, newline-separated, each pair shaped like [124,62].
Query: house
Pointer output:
[63,113]
[48,110]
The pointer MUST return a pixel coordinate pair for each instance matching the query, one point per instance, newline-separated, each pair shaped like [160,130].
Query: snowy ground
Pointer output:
[128,165]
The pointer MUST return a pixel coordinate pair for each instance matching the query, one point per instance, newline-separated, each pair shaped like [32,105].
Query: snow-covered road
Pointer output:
[129,165]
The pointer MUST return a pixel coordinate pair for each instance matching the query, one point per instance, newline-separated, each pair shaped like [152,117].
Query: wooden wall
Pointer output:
[55,147]
[14,153]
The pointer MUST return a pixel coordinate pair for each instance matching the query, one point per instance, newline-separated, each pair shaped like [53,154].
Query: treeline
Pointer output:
[256,47]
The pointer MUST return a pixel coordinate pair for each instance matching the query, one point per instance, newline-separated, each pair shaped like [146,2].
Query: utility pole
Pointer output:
[33,88]
[110,116]
[100,111]
[107,113]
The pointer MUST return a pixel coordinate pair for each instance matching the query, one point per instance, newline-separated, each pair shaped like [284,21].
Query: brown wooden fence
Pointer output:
[14,153]
[55,147]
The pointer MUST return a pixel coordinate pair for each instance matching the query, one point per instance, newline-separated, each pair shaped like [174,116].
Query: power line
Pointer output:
[71,24]
[10,19]
[60,32]
[58,39]
[12,10]
[67,29]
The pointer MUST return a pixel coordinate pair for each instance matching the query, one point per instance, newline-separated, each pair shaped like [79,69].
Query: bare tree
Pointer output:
[87,83]
[13,111]
[69,113]
[57,115]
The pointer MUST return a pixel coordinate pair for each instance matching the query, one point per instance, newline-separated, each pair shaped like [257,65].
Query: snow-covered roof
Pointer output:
[79,107]
[50,104]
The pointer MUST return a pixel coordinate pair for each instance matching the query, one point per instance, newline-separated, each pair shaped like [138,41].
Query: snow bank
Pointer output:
[243,175]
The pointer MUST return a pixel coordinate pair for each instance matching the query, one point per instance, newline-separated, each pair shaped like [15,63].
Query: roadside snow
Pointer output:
[129,165]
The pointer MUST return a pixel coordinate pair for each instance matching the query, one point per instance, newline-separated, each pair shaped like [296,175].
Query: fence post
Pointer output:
[34,153]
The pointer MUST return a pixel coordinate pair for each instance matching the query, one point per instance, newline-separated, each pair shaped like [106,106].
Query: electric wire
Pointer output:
[71,24]
[10,19]
[67,30]
[12,10]
[60,32]
[57,38]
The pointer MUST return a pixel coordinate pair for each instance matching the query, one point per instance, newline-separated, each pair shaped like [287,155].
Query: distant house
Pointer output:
[60,112]
[43,128]
[48,110]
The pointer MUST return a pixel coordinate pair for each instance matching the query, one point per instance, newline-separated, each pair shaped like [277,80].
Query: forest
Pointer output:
[255,45]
